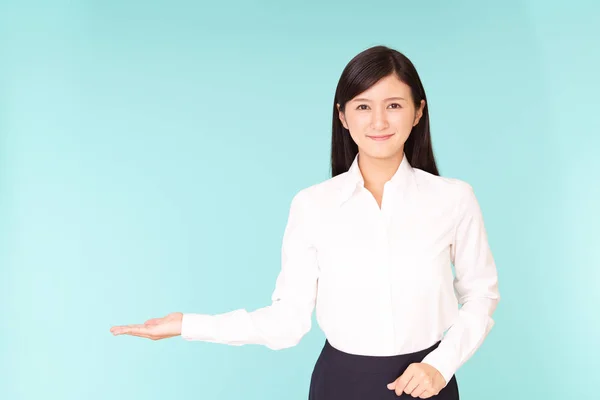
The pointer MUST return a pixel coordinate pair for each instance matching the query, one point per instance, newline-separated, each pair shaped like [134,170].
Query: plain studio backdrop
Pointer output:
[149,152]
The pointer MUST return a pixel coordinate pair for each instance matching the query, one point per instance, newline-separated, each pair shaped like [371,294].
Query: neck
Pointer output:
[377,171]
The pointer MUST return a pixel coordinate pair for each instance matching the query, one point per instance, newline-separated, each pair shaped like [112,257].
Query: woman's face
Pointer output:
[381,118]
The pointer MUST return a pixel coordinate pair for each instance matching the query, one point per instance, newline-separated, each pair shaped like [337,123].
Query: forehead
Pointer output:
[388,86]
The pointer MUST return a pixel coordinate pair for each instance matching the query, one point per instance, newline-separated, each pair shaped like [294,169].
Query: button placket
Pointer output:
[385,221]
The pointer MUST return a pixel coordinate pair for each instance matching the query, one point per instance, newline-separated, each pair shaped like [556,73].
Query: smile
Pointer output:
[380,138]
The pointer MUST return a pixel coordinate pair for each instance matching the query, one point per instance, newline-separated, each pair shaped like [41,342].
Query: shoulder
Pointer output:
[450,190]
[319,196]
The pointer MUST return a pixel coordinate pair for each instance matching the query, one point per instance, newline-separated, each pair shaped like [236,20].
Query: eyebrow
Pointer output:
[389,98]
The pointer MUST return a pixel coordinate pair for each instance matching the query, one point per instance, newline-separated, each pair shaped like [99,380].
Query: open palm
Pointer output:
[155,328]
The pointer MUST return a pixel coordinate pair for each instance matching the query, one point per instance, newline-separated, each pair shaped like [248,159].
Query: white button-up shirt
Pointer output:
[381,278]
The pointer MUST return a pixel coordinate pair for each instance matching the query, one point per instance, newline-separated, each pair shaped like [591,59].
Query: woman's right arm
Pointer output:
[283,323]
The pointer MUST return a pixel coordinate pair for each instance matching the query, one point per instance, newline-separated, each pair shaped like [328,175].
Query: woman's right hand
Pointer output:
[154,329]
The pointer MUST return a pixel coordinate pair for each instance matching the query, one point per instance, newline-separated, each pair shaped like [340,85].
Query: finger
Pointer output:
[131,329]
[153,321]
[134,332]
[412,385]
[418,391]
[144,336]
[426,394]
[125,326]
[425,384]
[404,379]
[402,382]
[116,329]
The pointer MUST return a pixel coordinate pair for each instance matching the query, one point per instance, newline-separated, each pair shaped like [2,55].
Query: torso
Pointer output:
[375,259]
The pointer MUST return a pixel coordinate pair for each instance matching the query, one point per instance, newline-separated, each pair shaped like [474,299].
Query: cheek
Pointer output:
[358,127]
[403,123]
[358,122]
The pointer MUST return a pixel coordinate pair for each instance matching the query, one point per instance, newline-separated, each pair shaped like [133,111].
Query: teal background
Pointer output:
[149,152]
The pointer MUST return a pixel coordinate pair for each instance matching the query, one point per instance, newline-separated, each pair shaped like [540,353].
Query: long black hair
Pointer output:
[362,72]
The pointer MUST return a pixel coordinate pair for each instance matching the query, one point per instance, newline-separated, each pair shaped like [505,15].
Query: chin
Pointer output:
[381,153]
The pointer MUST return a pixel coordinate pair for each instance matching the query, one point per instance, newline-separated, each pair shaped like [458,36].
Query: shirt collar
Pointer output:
[353,178]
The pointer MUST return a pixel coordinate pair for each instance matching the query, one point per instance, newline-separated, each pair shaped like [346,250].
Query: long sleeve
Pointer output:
[288,318]
[476,286]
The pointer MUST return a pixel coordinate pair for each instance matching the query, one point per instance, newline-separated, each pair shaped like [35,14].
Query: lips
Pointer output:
[382,137]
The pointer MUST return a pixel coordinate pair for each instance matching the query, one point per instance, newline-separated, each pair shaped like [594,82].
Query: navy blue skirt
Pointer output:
[342,376]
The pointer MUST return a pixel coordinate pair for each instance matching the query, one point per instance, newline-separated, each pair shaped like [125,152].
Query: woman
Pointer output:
[372,249]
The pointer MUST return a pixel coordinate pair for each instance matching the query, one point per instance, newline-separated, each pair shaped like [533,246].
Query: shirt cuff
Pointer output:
[439,361]
[198,327]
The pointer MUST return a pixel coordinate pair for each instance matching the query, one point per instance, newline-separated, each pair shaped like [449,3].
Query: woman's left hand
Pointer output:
[419,380]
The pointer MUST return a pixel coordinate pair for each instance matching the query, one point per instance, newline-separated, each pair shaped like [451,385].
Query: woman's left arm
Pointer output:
[476,285]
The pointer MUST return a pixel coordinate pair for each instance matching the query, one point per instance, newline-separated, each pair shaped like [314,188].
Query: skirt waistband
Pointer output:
[338,358]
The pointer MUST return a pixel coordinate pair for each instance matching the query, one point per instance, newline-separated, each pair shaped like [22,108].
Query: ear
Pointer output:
[341,115]
[419,113]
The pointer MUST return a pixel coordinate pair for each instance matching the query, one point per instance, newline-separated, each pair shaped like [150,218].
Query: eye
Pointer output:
[396,104]
[362,105]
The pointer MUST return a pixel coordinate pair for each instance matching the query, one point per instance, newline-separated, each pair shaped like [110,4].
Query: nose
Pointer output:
[379,119]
